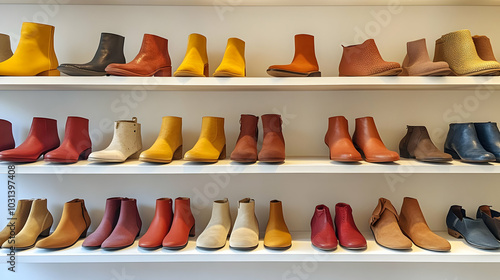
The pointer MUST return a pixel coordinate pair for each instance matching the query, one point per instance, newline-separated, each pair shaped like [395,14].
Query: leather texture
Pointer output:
[127,228]
[152,60]
[458,50]
[491,219]
[418,63]
[385,227]
[35,55]
[475,232]
[216,232]
[245,234]
[304,63]
[414,226]
[367,140]
[233,62]
[277,235]
[322,230]
[168,145]
[273,144]
[126,142]
[195,62]
[110,50]
[38,224]
[75,221]
[76,144]
[211,145]
[246,145]
[17,221]
[365,60]
[183,225]
[42,138]
[339,141]
[107,225]
[160,225]
[489,137]
[6,138]
[462,143]
[484,48]
[5,50]
[418,144]
[347,231]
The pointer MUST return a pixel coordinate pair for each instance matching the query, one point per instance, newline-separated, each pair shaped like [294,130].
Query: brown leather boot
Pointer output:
[483,48]
[417,144]
[418,63]
[339,141]
[367,139]
[385,227]
[246,146]
[273,145]
[413,225]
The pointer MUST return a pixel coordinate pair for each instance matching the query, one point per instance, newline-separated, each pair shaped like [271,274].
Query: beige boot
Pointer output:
[168,145]
[18,220]
[245,235]
[215,234]
[5,50]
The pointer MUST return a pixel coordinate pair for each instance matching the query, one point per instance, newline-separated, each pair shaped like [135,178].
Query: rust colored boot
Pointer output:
[339,141]
[365,60]
[159,226]
[304,63]
[418,63]
[152,60]
[385,227]
[108,223]
[6,138]
[76,144]
[273,145]
[483,48]
[182,225]
[367,140]
[127,228]
[246,146]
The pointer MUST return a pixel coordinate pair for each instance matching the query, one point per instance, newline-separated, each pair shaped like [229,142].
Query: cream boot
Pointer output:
[215,234]
[245,235]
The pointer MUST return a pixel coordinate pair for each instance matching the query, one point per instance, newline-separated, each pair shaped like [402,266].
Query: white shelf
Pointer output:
[294,165]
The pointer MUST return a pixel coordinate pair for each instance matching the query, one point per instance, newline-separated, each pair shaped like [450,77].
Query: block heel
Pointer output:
[85,154]
[223,153]
[178,153]
[454,233]
[192,231]
[45,232]
[404,153]
[164,72]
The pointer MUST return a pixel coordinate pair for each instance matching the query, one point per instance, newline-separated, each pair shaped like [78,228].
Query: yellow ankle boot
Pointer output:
[195,63]
[211,145]
[35,55]
[233,62]
[168,145]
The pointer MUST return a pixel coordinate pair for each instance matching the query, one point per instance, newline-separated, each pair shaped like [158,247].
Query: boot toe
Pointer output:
[156,155]
[107,156]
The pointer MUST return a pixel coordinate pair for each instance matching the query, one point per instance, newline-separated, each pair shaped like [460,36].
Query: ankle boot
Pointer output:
[183,225]
[160,225]
[413,225]
[195,63]
[233,62]
[38,224]
[491,219]
[110,50]
[126,143]
[483,48]
[246,145]
[348,233]
[35,55]
[304,63]
[322,231]
[211,145]
[418,144]
[17,220]
[74,224]
[41,139]
[418,63]
[458,50]
[367,140]
[277,234]
[245,235]
[7,139]
[365,60]
[215,234]
[127,228]
[385,227]
[168,145]
[462,143]
[76,144]
[339,141]
[489,137]
[273,145]
[107,225]
[152,60]
[5,50]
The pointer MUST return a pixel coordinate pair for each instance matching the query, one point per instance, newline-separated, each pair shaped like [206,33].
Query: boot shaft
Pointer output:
[276,211]
[272,123]
[38,38]
[246,207]
[304,49]
[77,131]
[466,132]
[417,52]
[110,49]
[248,126]
[45,130]
[414,135]
[112,210]
[5,50]
[343,214]
[171,128]
[365,129]
[483,48]
[7,139]
[235,50]
[338,127]
[183,208]
[410,213]
[212,128]
[198,43]
[73,211]
[153,49]
[367,51]
[126,133]
[129,214]
[163,207]
[322,213]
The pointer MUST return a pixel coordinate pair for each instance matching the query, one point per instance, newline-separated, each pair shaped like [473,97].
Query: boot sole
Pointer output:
[160,72]
[226,74]
[391,72]
[154,160]
[75,71]
[244,248]
[285,73]
[186,74]
[437,72]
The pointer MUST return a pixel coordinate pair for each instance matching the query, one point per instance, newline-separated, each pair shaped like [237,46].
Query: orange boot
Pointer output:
[304,62]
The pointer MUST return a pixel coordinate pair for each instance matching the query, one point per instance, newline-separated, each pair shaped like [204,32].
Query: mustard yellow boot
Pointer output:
[35,55]
[168,145]
[211,145]
[277,234]
[233,62]
[195,63]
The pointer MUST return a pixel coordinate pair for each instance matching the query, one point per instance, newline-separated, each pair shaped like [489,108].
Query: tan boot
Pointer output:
[277,234]
[168,145]
[418,63]
[18,220]
[385,227]
[5,50]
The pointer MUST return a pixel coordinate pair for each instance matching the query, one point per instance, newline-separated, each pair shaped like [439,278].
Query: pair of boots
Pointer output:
[473,142]
[119,226]
[169,229]
[397,232]
[365,140]
[323,233]
[273,145]
[418,144]
[43,139]
[195,63]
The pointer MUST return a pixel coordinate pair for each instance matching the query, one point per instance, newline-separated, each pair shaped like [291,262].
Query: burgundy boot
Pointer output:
[246,145]
[322,231]
[76,144]
[159,226]
[108,223]
[127,228]
[273,145]
[6,138]
[182,225]
[347,232]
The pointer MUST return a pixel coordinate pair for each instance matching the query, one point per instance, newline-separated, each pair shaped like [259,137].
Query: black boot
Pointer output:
[489,137]
[462,143]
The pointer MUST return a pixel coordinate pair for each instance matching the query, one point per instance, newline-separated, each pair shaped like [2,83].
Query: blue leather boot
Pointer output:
[489,137]
[462,143]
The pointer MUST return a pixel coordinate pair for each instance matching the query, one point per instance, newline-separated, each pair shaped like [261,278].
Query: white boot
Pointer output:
[215,234]
[245,235]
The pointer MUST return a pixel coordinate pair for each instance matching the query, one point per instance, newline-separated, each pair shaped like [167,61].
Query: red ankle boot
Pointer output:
[347,232]
[159,226]
[182,225]
[76,144]
[6,138]
[127,228]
